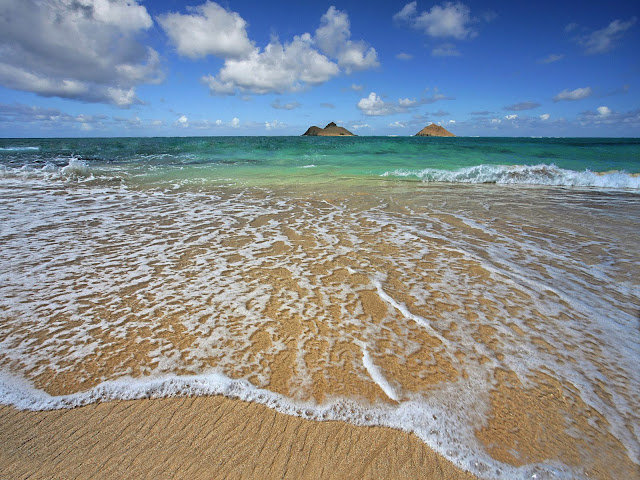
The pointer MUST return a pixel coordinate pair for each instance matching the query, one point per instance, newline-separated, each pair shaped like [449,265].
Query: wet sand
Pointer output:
[205,437]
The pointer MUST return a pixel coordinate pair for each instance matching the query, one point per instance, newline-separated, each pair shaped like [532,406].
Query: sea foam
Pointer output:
[542,174]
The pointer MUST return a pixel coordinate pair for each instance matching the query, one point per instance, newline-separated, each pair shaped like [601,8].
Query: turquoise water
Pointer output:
[547,161]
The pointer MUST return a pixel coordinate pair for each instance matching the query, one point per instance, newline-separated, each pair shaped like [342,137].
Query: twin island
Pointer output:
[333,130]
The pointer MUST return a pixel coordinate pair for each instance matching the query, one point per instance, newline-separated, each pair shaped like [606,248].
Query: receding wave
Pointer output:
[524,174]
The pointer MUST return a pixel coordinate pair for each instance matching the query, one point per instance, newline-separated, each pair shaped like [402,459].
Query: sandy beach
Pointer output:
[204,437]
[136,322]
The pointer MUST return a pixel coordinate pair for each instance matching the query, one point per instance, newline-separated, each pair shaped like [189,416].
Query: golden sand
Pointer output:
[205,437]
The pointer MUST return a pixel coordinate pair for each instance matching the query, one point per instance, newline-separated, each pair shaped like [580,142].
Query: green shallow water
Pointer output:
[319,159]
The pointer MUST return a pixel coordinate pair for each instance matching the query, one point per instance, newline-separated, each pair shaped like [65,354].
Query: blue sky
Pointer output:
[163,68]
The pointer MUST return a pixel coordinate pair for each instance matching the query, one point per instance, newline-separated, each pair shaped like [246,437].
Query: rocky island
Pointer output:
[331,130]
[434,130]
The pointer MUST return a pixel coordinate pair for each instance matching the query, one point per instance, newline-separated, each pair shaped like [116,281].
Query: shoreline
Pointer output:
[206,437]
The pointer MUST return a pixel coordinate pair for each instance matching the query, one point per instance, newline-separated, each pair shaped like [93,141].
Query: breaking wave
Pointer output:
[524,174]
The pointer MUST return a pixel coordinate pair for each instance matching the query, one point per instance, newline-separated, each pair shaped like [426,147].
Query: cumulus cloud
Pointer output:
[333,38]
[274,125]
[292,66]
[373,105]
[605,116]
[544,116]
[235,122]
[517,107]
[284,106]
[207,29]
[407,102]
[450,20]
[279,68]
[78,49]
[551,58]
[605,39]
[573,95]
[182,121]
[398,124]
[511,117]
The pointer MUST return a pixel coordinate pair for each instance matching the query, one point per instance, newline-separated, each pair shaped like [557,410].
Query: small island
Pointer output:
[434,130]
[331,130]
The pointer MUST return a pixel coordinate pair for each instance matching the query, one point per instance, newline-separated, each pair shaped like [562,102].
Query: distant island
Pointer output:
[434,130]
[331,130]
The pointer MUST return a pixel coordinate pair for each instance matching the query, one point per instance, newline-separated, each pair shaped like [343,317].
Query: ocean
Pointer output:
[483,293]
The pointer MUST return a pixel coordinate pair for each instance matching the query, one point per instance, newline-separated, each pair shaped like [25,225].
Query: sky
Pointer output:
[94,68]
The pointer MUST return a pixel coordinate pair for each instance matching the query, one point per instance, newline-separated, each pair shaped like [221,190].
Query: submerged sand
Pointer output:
[205,437]
[481,308]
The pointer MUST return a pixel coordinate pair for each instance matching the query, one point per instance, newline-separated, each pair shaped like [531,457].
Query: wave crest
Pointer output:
[524,174]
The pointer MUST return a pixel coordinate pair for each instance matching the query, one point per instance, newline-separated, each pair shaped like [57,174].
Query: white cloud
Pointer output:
[451,20]
[235,122]
[573,95]
[79,49]
[333,38]
[496,121]
[356,87]
[218,123]
[544,116]
[511,117]
[274,125]
[452,121]
[373,105]
[407,102]
[182,121]
[407,13]
[605,116]
[605,39]
[445,50]
[279,68]
[359,126]
[404,56]
[293,66]
[551,58]
[398,124]
[208,29]
[157,123]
